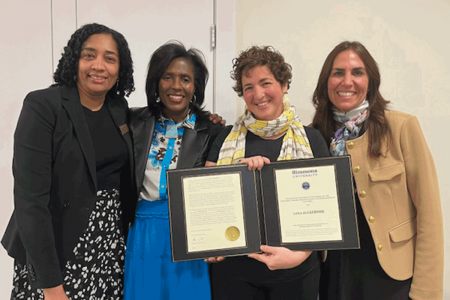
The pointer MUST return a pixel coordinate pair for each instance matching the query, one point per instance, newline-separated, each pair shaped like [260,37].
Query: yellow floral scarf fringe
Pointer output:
[295,142]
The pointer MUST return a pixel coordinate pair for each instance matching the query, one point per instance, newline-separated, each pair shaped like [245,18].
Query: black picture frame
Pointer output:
[260,211]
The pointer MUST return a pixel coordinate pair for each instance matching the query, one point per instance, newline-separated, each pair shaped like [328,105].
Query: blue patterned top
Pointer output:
[163,156]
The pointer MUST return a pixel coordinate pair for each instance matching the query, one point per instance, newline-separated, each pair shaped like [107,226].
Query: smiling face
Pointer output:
[348,81]
[176,89]
[263,94]
[98,67]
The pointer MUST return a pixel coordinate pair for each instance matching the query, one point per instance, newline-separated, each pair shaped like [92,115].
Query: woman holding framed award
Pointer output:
[269,130]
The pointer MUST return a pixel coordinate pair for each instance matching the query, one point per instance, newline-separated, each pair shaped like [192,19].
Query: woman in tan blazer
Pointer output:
[396,187]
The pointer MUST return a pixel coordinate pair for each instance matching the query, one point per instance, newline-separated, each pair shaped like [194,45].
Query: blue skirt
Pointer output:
[149,270]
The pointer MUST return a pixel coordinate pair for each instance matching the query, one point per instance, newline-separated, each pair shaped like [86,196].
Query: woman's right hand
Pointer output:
[214,259]
[277,258]
[256,162]
[55,293]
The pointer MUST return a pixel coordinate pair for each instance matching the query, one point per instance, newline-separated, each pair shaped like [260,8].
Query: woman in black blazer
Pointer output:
[73,167]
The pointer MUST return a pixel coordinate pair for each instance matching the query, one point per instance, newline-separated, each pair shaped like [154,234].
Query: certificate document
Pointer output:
[308,204]
[214,211]
[229,210]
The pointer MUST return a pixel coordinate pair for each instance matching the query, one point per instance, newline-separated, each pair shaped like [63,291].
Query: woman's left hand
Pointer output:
[255,162]
[215,118]
[280,257]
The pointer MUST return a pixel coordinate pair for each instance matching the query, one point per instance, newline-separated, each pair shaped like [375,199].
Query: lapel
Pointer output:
[192,145]
[71,102]
[142,126]
[119,114]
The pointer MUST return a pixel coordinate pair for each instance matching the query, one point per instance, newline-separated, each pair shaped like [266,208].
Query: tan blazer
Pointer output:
[399,194]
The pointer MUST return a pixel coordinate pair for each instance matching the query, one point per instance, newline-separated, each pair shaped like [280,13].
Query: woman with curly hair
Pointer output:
[396,186]
[73,165]
[269,130]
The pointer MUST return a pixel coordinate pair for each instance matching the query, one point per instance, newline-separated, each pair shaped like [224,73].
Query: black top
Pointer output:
[111,153]
[247,268]
[269,148]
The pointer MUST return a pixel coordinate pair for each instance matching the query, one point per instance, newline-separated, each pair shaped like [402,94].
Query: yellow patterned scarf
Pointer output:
[295,142]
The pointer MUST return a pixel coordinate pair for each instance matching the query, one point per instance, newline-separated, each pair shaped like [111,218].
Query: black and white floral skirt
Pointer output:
[96,270]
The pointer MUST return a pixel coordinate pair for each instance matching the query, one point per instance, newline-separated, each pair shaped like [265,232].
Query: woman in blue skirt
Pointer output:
[173,131]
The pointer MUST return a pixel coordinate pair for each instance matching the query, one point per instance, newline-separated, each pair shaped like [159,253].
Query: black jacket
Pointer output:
[55,180]
[194,147]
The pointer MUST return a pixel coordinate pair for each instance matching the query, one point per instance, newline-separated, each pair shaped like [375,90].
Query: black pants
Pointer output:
[226,284]
[357,274]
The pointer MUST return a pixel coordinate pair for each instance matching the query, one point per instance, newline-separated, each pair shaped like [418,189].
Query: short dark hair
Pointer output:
[376,122]
[260,56]
[67,70]
[160,61]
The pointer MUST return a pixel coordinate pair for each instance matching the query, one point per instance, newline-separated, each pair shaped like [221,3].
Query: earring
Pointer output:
[157,98]
[193,99]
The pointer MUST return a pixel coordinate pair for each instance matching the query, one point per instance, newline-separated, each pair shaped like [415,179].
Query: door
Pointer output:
[146,25]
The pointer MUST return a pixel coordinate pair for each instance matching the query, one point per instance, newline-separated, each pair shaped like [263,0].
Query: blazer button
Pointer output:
[371,219]
[362,194]
[351,145]
[380,246]
[66,204]
[357,169]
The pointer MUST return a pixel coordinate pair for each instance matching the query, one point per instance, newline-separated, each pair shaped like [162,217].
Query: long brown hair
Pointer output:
[378,127]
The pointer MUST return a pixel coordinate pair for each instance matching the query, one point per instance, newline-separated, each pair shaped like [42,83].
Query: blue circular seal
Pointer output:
[305,185]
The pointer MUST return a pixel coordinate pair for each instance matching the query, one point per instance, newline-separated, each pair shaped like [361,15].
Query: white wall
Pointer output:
[26,64]
[409,40]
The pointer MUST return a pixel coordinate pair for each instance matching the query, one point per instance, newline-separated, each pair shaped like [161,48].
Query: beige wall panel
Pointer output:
[64,23]
[225,52]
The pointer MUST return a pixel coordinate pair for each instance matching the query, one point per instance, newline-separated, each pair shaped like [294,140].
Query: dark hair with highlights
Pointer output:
[160,61]
[67,70]
[376,122]
[260,56]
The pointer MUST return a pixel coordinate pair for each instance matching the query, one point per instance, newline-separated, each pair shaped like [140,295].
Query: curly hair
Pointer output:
[260,56]
[160,61]
[376,122]
[67,70]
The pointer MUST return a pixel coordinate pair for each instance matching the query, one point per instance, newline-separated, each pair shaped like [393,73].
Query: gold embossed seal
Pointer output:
[232,233]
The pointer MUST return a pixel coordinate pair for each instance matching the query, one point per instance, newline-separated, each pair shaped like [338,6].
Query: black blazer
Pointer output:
[55,180]
[194,147]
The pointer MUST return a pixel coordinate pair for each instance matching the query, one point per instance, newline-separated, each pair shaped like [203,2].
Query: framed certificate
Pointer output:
[229,210]
[309,204]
